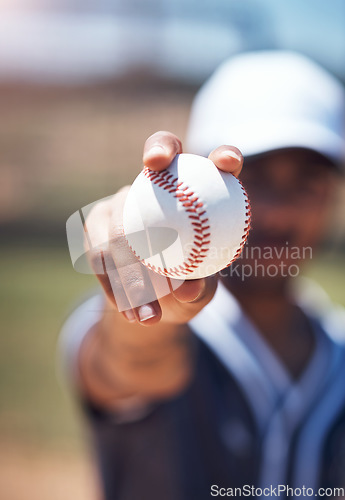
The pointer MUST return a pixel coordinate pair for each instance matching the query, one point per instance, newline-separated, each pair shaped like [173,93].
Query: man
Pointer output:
[237,380]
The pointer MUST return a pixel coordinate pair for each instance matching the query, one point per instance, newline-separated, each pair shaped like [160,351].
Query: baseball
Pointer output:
[188,221]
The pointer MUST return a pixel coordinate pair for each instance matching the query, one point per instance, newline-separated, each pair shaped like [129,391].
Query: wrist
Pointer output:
[152,364]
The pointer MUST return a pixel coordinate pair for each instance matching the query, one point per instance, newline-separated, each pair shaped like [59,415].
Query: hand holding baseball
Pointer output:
[132,286]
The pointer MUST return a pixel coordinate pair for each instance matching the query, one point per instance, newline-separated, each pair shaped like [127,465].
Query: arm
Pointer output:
[142,351]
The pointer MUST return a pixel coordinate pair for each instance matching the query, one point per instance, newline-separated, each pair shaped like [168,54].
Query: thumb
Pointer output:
[192,291]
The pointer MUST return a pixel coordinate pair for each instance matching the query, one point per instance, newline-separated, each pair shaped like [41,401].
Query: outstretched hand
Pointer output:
[140,294]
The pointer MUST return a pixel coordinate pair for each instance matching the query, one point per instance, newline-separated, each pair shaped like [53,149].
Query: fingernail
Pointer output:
[129,314]
[146,312]
[202,289]
[232,154]
[155,150]
[199,292]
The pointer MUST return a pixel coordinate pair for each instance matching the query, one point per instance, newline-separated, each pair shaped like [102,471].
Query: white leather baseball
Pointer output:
[188,221]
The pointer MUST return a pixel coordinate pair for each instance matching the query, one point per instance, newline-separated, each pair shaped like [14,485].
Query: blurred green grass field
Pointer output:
[38,289]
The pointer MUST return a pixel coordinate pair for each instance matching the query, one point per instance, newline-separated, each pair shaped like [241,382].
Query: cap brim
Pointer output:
[256,138]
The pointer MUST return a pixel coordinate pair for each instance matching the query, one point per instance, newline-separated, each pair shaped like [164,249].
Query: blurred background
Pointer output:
[82,85]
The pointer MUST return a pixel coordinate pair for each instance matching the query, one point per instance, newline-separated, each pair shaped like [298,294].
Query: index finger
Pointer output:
[228,159]
[160,149]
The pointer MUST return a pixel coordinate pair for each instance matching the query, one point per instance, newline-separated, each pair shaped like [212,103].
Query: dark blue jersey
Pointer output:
[241,423]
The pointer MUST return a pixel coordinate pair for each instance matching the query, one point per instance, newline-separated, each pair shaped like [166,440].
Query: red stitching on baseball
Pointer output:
[192,205]
[246,228]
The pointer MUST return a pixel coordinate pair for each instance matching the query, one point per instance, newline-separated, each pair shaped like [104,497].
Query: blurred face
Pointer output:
[290,193]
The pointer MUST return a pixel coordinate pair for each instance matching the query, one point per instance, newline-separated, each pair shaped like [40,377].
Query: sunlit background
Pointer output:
[82,84]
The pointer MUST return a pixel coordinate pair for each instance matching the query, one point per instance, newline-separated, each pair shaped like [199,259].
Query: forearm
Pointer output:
[120,360]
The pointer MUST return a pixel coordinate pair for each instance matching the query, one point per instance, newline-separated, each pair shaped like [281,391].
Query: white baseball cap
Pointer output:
[263,101]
